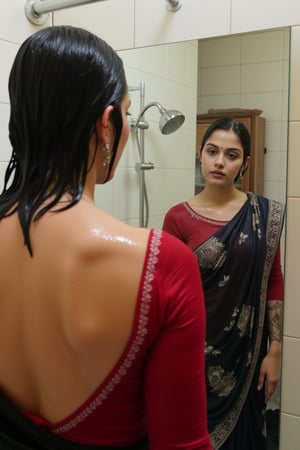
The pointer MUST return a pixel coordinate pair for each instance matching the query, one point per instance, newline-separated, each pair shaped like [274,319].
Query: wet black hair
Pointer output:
[62,79]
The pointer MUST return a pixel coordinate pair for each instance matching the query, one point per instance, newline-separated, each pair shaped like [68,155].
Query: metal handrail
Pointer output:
[37,11]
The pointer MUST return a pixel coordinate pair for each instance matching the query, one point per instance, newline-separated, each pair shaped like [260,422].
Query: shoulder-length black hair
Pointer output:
[61,81]
[228,123]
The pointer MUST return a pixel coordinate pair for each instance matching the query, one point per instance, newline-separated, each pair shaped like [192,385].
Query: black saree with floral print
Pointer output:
[235,264]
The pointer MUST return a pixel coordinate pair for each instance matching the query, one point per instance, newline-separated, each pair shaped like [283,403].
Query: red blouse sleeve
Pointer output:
[175,378]
[275,283]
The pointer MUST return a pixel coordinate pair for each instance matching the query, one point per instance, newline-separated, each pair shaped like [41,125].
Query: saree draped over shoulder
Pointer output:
[235,265]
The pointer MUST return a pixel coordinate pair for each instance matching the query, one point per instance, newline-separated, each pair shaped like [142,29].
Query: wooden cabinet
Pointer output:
[253,179]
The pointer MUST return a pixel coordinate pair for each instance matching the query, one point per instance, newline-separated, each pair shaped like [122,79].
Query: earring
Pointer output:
[106,151]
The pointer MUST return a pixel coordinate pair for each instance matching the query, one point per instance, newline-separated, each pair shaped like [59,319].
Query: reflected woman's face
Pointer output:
[222,157]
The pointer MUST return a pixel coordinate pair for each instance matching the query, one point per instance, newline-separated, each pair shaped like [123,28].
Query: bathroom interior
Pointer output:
[243,72]
[255,66]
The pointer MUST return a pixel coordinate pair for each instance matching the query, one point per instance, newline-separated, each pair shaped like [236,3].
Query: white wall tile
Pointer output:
[269,102]
[194,20]
[2,173]
[8,52]
[14,26]
[207,102]
[125,194]
[220,52]
[262,77]
[162,191]
[5,147]
[273,136]
[295,74]
[266,14]
[112,21]
[290,377]
[289,432]
[292,286]
[264,46]
[223,80]
[272,190]
[103,196]
[272,166]
[293,186]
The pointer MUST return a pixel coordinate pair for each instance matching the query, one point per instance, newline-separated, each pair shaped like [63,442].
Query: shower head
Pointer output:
[170,120]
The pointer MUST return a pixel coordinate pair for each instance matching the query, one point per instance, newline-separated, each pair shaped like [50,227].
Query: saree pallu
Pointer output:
[17,432]
[235,264]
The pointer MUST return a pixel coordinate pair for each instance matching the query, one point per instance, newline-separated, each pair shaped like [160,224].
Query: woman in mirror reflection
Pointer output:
[235,237]
[99,320]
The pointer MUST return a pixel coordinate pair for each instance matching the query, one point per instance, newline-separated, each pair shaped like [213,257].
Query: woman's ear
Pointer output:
[245,165]
[198,154]
[103,125]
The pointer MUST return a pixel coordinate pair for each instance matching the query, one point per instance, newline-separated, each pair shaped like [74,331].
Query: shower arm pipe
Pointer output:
[142,158]
[36,10]
[145,108]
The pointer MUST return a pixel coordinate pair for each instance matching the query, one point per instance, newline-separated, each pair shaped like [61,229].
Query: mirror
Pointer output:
[241,71]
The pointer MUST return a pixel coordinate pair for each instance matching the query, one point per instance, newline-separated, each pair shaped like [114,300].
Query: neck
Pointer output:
[220,195]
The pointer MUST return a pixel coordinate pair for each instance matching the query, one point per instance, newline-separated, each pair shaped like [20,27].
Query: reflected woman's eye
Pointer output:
[211,151]
[232,156]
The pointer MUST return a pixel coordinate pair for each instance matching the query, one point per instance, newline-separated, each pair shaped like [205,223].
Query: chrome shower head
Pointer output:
[169,122]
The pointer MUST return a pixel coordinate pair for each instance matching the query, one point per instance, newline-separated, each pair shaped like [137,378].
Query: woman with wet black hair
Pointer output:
[98,319]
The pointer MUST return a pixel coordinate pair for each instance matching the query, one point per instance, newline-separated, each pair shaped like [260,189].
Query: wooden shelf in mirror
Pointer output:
[253,179]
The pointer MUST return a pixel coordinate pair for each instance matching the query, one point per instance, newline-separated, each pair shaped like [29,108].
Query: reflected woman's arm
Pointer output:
[270,367]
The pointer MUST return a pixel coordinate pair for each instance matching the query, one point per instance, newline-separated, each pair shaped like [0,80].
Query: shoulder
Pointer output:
[267,202]
[176,208]
[174,255]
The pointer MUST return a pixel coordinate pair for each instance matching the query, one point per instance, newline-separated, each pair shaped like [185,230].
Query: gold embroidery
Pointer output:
[220,382]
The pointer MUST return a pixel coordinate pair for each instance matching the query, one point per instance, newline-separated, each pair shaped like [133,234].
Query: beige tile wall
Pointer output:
[169,73]
[290,417]
[251,71]
[126,24]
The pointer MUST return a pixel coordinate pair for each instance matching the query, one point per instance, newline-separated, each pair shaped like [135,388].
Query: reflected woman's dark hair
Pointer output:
[227,123]
[61,81]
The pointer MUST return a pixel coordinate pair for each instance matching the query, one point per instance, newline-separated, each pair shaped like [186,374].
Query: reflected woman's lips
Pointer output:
[217,172]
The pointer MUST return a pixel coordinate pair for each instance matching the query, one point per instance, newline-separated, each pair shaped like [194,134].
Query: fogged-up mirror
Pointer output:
[241,72]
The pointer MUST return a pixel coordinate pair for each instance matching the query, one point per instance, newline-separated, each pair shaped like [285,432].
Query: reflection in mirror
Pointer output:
[169,76]
[251,72]
[248,71]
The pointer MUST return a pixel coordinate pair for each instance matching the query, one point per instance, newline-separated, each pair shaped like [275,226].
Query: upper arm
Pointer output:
[175,377]
[275,283]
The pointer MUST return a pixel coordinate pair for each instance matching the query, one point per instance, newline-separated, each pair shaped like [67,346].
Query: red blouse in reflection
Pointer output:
[193,229]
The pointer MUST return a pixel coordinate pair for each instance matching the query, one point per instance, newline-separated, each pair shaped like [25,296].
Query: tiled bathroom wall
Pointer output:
[169,74]
[290,404]
[251,71]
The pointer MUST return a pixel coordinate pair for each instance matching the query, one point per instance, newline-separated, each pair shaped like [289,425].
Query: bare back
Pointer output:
[66,314]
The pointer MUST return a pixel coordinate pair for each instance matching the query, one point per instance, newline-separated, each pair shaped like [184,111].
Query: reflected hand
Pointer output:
[270,371]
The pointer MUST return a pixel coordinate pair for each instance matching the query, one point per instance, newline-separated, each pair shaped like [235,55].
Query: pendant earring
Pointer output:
[106,151]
